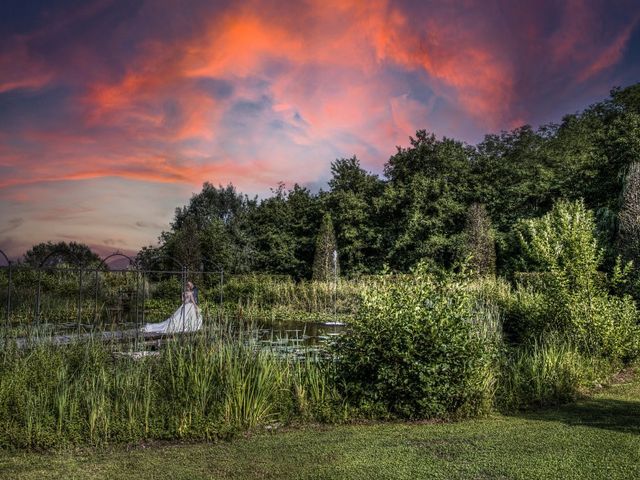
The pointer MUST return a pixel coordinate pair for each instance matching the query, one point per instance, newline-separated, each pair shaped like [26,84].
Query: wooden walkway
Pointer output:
[117,336]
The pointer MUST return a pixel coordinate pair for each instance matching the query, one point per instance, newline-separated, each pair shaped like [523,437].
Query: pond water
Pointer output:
[298,339]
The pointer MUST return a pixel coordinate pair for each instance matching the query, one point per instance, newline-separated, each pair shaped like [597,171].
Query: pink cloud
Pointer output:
[301,84]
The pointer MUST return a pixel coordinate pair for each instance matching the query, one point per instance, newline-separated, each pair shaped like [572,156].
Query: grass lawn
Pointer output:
[593,438]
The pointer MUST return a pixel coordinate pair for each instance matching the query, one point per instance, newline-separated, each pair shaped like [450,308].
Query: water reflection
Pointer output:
[296,339]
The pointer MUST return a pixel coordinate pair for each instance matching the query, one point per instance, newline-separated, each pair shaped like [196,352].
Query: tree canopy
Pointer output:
[417,211]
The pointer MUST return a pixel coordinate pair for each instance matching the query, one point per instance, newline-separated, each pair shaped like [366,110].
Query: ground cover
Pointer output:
[597,436]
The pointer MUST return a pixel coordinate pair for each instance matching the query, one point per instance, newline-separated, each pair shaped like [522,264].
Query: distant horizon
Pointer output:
[112,114]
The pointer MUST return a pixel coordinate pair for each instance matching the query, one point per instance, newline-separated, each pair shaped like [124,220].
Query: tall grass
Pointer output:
[211,385]
[548,372]
[438,346]
[282,298]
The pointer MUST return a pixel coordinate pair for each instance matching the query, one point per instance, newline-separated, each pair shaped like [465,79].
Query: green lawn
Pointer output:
[594,438]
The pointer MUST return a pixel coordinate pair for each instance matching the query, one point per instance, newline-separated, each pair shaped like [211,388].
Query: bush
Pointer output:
[567,294]
[414,350]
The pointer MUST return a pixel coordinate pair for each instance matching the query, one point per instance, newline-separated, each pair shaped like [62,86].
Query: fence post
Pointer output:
[95,300]
[144,293]
[184,289]
[9,300]
[79,299]
[38,297]
[137,326]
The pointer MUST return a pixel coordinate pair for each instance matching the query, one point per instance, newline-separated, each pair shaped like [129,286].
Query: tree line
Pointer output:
[439,200]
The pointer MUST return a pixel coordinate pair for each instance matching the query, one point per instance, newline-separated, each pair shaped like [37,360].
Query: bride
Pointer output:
[186,318]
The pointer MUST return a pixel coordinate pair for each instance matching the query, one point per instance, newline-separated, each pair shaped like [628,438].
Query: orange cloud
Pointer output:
[610,55]
[314,82]
[331,61]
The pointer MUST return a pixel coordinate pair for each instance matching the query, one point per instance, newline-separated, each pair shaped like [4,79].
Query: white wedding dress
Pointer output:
[186,318]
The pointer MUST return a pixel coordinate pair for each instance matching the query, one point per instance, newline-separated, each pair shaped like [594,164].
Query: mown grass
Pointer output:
[595,437]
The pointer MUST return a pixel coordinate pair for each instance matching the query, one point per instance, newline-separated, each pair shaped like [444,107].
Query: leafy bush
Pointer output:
[567,294]
[414,350]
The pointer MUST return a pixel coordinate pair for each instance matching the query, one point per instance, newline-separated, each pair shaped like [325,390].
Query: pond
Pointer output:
[297,339]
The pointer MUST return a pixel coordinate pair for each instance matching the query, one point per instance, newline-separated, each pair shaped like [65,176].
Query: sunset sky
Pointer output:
[112,113]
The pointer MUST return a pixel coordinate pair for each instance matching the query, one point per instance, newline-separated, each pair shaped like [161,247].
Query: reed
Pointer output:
[215,383]
[548,372]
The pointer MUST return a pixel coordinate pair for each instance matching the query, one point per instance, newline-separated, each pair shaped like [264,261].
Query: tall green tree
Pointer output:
[325,263]
[187,245]
[219,218]
[353,201]
[273,239]
[425,201]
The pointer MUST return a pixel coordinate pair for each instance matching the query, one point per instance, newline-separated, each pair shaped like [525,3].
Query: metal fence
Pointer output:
[67,294]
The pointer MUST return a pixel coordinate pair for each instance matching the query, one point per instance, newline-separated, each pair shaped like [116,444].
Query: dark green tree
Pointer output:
[306,217]
[425,201]
[186,244]
[353,201]
[271,229]
[219,218]
[61,252]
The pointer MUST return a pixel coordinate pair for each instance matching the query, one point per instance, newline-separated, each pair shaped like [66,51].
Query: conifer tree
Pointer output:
[326,252]
[480,243]
[629,217]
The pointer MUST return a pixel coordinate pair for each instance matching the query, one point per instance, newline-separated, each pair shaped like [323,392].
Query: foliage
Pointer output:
[352,202]
[417,210]
[413,350]
[570,295]
[187,245]
[594,438]
[425,201]
[479,242]
[325,262]
[207,388]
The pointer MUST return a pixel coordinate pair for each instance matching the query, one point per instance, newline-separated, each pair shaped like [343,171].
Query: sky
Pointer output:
[114,112]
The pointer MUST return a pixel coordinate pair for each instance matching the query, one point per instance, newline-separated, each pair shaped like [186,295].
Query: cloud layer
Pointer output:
[145,100]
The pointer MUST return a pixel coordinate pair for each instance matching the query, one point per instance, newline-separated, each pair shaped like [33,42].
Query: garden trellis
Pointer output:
[63,293]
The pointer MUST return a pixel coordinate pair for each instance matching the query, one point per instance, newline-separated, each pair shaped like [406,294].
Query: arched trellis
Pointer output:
[6,259]
[9,279]
[103,262]
[74,260]
[84,270]
[104,266]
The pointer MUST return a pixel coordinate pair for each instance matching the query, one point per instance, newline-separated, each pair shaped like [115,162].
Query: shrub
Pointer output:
[414,350]
[567,295]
